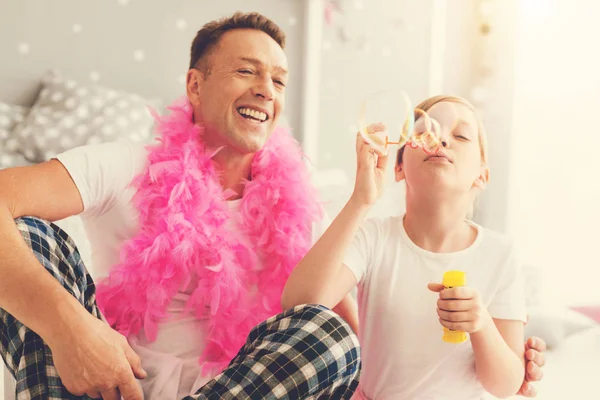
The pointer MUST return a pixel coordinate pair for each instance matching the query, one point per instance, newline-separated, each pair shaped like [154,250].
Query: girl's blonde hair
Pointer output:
[426,105]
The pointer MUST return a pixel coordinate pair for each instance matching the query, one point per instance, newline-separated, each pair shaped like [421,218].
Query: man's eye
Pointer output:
[245,71]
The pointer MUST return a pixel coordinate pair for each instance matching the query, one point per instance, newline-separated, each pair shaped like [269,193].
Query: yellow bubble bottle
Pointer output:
[453,279]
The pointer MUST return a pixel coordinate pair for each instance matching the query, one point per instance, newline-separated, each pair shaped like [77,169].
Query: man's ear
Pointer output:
[194,80]
[483,178]
[399,172]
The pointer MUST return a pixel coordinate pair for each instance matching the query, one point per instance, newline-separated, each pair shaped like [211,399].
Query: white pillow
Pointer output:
[68,114]
[10,116]
[554,325]
[549,318]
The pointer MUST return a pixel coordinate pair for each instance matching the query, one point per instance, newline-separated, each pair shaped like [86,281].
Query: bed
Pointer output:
[573,360]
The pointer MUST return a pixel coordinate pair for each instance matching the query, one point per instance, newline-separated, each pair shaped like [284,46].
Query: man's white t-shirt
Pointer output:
[403,354]
[103,174]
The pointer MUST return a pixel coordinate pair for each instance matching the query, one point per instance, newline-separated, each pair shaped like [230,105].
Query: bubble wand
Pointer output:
[428,140]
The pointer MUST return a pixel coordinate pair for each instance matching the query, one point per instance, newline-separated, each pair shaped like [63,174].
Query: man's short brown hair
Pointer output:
[209,35]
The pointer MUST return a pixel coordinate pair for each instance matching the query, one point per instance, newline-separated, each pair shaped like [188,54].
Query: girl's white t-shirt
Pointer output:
[403,354]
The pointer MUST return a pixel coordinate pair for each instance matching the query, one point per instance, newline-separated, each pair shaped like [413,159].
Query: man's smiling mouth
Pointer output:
[253,114]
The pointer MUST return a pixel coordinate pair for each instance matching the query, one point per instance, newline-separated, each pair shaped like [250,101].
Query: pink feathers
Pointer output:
[185,235]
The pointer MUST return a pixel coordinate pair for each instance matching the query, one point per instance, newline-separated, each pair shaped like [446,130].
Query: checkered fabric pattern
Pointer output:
[308,352]
[25,354]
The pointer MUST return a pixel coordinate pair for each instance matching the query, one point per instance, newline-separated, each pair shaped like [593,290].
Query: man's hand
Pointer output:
[460,308]
[534,359]
[93,359]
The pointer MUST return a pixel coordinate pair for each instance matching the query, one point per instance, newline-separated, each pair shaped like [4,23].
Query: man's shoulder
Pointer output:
[134,150]
[110,156]
[103,172]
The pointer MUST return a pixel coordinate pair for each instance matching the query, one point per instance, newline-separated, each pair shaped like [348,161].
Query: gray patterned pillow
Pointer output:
[10,116]
[68,114]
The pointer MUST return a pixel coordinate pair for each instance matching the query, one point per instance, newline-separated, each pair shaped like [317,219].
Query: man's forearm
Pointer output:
[27,290]
[500,370]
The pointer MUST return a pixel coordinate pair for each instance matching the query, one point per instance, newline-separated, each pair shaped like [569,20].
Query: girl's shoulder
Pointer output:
[493,239]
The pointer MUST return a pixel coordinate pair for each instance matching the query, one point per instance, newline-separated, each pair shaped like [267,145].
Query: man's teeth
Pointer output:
[261,116]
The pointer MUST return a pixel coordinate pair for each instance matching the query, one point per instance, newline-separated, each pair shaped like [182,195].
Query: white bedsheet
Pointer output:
[572,370]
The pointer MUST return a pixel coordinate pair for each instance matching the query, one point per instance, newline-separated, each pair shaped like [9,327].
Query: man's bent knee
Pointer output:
[57,253]
[323,325]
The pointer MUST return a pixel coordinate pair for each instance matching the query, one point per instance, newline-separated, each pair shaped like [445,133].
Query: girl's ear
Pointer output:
[483,178]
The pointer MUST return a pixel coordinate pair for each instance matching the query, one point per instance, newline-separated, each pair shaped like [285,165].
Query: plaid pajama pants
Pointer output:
[304,353]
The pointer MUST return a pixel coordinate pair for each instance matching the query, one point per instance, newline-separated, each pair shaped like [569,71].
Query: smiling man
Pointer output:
[193,240]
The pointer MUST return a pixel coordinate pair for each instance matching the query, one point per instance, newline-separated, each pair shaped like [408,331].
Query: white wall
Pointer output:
[496,109]
[385,44]
[350,73]
[138,46]
[555,189]
[369,46]
[379,54]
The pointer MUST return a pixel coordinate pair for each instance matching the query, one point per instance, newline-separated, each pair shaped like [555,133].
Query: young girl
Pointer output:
[398,262]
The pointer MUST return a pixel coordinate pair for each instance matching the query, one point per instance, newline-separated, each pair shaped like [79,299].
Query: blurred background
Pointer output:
[74,72]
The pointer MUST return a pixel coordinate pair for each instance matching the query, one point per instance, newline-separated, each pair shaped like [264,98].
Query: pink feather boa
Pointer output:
[185,235]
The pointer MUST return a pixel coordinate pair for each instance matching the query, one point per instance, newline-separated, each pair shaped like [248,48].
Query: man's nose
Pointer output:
[264,90]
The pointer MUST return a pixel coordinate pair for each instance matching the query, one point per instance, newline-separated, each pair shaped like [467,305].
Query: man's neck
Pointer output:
[233,169]
[438,225]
